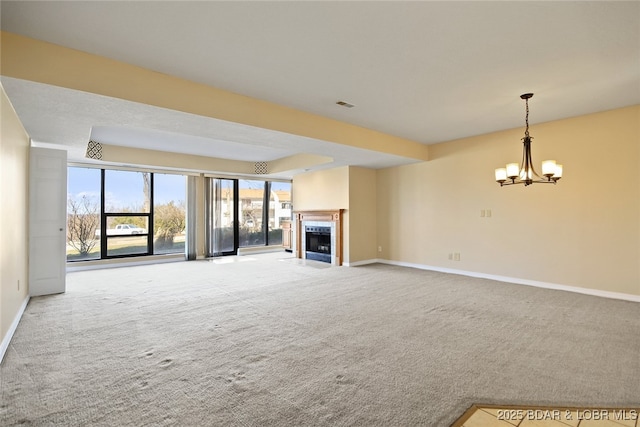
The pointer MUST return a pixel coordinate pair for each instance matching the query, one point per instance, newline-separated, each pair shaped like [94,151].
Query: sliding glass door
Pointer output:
[252,213]
[242,213]
[222,206]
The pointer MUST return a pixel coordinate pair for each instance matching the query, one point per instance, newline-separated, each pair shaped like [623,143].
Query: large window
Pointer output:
[83,214]
[169,213]
[116,213]
[127,213]
[120,213]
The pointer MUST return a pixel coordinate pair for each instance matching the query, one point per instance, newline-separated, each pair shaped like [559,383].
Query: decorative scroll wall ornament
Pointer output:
[94,150]
[261,168]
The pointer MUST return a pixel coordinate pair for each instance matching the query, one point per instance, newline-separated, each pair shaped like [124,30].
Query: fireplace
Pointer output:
[318,243]
[318,235]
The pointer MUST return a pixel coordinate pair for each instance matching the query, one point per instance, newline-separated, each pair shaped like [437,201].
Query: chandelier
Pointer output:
[525,172]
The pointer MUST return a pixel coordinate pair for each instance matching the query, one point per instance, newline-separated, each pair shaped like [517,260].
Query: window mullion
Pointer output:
[265,211]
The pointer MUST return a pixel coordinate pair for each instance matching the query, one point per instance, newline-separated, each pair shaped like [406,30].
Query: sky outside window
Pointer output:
[83,182]
[124,193]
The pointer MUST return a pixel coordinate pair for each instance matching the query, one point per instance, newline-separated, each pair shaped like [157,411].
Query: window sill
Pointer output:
[122,262]
[250,250]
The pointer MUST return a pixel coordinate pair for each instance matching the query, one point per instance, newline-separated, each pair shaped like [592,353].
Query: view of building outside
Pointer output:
[279,210]
[251,198]
[223,239]
[251,211]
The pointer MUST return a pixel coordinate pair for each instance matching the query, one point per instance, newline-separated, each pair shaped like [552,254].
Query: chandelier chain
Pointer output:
[526,119]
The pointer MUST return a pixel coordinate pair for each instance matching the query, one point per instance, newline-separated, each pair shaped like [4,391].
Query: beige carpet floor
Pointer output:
[266,340]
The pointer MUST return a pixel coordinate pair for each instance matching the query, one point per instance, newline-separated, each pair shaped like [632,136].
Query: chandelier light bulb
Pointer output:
[548,168]
[558,173]
[513,169]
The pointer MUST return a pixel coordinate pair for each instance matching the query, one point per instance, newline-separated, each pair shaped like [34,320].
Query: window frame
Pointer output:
[104,215]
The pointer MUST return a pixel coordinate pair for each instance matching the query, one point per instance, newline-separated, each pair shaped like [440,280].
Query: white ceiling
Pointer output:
[426,71]
[62,118]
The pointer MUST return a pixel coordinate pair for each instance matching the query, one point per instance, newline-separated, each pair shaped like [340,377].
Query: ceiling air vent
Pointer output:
[261,168]
[345,104]
[94,150]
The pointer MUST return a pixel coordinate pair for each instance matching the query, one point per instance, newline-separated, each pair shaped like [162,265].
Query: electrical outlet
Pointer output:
[379,248]
[456,256]
[450,256]
[488,213]
[482,213]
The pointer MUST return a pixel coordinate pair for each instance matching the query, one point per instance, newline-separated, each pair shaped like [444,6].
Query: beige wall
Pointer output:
[14,183]
[363,237]
[583,232]
[177,161]
[325,189]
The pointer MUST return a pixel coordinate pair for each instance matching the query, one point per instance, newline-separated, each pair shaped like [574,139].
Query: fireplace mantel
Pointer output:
[323,216]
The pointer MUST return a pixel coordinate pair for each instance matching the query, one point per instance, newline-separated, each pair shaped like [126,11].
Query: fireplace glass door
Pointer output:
[318,243]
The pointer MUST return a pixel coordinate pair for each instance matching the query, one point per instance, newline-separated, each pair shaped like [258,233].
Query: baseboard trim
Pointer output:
[357,263]
[12,329]
[518,281]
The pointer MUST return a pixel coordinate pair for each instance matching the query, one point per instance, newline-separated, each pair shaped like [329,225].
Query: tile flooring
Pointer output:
[509,416]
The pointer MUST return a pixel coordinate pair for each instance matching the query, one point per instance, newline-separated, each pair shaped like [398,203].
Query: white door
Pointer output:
[47,221]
